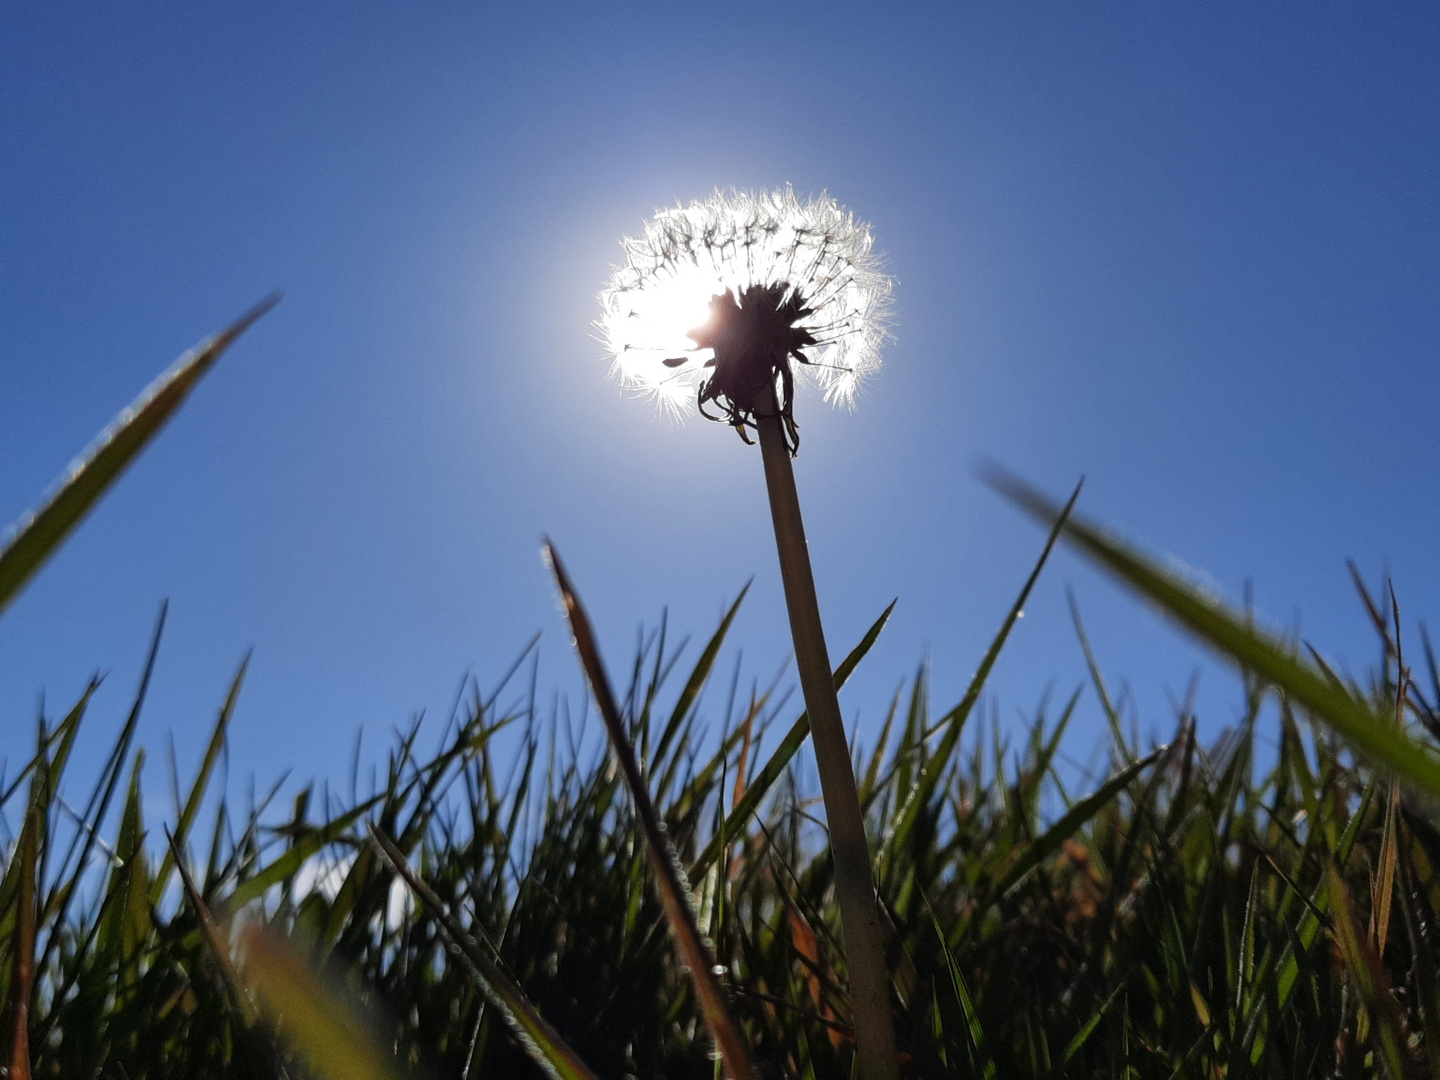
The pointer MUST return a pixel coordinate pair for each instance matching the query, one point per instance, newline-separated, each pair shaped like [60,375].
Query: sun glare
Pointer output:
[659,317]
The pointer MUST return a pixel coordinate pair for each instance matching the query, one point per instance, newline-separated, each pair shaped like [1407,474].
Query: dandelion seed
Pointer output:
[729,299]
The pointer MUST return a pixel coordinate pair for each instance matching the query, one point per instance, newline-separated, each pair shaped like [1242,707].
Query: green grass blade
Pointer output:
[1088,1028]
[954,721]
[697,678]
[1107,704]
[202,780]
[1368,732]
[213,935]
[93,818]
[540,1040]
[1310,922]
[40,533]
[1045,845]
[284,866]
[774,767]
[674,893]
[974,1033]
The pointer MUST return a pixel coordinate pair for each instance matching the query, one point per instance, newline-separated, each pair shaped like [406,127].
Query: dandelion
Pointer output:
[732,296]
[722,305]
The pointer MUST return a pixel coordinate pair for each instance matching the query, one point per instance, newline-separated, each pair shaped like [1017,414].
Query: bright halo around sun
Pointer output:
[653,326]
[733,240]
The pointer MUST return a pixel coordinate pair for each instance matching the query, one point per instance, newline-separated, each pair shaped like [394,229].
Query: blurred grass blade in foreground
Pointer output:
[674,894]
[334,1041]
[1368,731]
[38,534]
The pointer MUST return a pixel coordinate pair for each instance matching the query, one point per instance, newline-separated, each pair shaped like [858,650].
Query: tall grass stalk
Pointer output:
[670,882]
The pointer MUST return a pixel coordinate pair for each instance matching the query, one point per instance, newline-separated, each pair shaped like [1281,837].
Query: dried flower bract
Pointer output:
[731,296]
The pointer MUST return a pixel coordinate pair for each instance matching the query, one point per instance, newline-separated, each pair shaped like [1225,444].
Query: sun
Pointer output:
[653,327]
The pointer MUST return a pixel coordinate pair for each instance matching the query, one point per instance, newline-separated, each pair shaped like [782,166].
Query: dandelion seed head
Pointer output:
[809,258]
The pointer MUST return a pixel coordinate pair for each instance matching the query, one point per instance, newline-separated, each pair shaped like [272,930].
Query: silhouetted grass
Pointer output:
[1197,911]
[1193,914]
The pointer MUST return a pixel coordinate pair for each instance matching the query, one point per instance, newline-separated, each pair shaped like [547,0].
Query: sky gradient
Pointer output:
[1191,252]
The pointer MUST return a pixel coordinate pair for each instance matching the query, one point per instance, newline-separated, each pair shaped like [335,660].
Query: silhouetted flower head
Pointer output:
[723,302]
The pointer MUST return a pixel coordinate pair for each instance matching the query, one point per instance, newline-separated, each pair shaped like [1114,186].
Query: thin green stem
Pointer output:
[854,885]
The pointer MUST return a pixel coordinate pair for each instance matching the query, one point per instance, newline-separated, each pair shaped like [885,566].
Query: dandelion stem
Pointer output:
[854,886]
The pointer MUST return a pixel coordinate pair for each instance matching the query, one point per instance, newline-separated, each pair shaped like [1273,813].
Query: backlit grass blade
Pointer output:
[202,780]
[22,954]
[1368,732]
[285,865]
[1367,975]
[954,721]
[540,1040]
[212,933]
[674,894]
[1049,842]
[697,678]
[774,767]
[1112,717]
[41,532]
[981,1059]
[98,805]
[1310,923]
[1088,1028]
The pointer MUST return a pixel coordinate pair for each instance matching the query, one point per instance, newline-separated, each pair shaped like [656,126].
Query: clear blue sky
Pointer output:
[1190,251]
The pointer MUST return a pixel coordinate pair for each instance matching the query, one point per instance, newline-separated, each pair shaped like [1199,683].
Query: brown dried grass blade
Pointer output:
[213,935]
[1367,975]
[22,977]
[674,894]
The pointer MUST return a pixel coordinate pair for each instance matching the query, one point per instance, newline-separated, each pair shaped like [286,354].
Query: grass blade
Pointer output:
[22,972]
[1234,636]
[540,1040]
[954,720]
[774,767]
[211,931]
[1045,845]
[333,1040]
[1367,974]
[1088,1028]
[40,533]
[697,678]
[287,864]
[974,1033]
[202,780]
[674,894]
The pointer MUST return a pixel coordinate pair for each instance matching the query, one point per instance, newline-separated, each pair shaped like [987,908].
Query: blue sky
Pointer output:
[1189,251]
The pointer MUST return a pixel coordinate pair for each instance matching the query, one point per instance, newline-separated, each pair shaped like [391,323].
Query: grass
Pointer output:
[1192,915]
[618,904]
